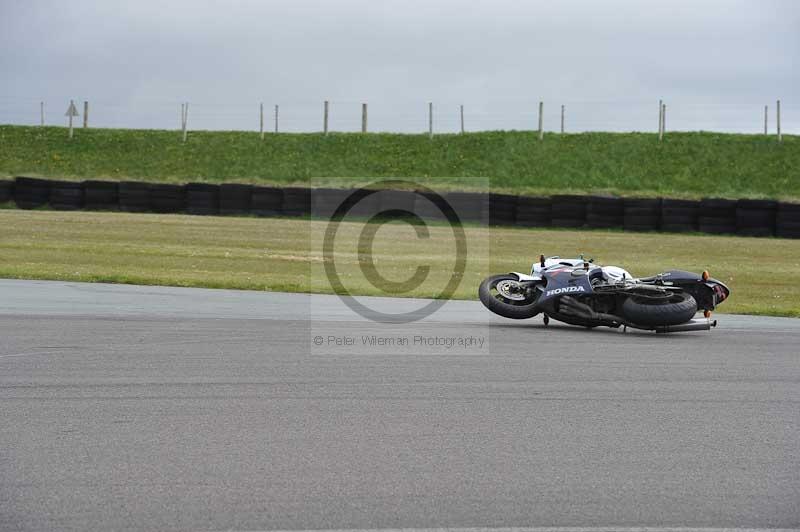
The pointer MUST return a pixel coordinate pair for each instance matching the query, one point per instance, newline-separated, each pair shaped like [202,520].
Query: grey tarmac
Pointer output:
[153,408]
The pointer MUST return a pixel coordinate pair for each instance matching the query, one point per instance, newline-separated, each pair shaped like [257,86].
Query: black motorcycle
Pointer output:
[578,292]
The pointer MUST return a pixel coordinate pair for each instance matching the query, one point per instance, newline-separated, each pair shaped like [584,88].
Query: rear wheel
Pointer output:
[673,309]
[506,296]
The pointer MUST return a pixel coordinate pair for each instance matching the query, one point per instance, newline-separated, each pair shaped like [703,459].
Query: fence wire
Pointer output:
[410,117]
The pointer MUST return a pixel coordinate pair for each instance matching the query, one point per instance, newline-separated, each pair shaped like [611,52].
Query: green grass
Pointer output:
[285,254]
[683,165]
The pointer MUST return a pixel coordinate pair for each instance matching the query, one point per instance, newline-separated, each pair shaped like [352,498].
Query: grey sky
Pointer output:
[716,63]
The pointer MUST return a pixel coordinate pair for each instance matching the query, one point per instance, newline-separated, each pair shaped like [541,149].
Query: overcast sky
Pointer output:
[715,63]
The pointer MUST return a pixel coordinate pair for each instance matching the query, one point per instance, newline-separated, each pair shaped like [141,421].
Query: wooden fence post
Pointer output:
[462,119]
[325,118]
[664,118]
[562,119]
[660,118]
[185,119]
[363,117]
[430,119]
[541,121]
[261,119]
[766,115]
[85,114]
[778,122]
[41,113]
[276,118]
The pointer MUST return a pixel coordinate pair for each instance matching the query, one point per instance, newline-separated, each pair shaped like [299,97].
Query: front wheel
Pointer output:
[506,296]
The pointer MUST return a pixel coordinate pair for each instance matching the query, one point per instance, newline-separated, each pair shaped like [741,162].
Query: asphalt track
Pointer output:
[164,408]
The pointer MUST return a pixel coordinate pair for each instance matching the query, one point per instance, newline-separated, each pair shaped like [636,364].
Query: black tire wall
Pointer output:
[679,216]
[6,190]
[641,214]
[101,195]
[568,211]
[717,216]
[325,201]
[397,200]
[266,201]
[31,192]
[758,218]
[534,212]
[296,201]
[134,196]
[202,199]
[605,212]
[66,196]
[502,209]
[235,198]
[470,206]
[787,220]
[167,198]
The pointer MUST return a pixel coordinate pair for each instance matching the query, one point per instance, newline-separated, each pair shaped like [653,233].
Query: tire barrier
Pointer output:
[746,217]
[101,195]
[31,192]
[366,208]
[568,211]
[679,216]
[296,201]
[787,220]
[325,201]
[66,196]
[641,214]
[502,209]
[134,196]
[717,216]
[234,198]
[266,201]
[425,208]
[756,217]
[6,190]
[202,199]
[397,200]
[167,198]
[469,206]
[604,212]
[534,212]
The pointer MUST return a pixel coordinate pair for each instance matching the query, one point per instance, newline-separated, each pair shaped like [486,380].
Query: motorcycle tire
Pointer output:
[519,311]
[680,309]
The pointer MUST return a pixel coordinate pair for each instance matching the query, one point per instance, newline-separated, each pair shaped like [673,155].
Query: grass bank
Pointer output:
[286,254]
[683,165]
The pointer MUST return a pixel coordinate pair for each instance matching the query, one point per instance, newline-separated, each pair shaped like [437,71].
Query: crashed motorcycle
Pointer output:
[579,292]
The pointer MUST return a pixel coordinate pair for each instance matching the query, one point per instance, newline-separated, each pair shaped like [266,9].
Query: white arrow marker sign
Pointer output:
[71,111]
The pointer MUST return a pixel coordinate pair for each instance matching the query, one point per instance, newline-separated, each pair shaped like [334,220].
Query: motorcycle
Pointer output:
[579,292]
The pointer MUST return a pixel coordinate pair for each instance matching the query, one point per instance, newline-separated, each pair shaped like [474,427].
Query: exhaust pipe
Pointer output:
[572,307]
[693,325]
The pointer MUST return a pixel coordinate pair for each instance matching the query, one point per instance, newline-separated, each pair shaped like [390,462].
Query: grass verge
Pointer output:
[683,165]
[286,254]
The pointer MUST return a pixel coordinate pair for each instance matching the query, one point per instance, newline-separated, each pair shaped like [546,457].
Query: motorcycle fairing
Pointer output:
[708,293]
[566,280]
[525,277]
